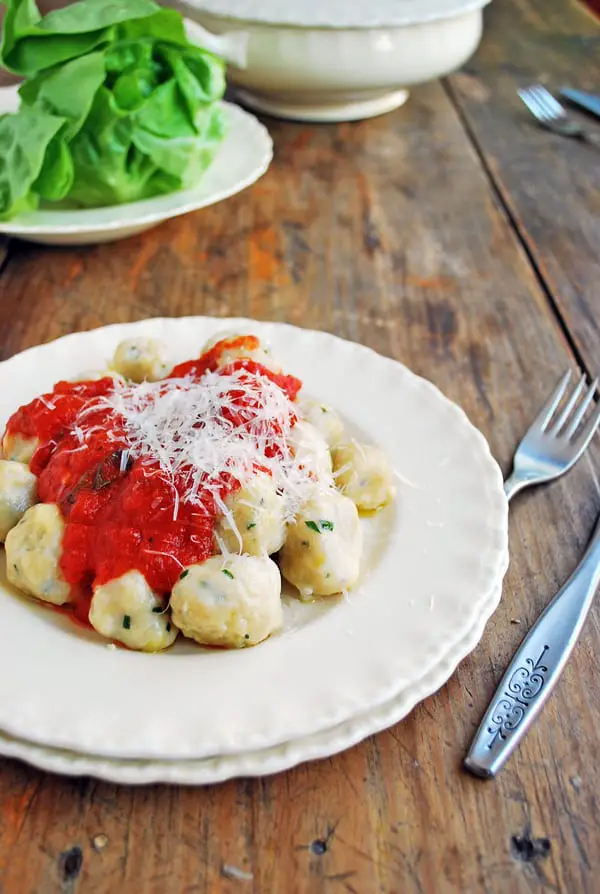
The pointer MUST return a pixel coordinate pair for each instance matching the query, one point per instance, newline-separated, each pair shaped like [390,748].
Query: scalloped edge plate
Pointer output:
[445,552]
[265,762]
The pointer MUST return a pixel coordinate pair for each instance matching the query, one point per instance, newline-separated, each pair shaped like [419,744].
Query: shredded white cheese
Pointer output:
[47,403]
[198,431]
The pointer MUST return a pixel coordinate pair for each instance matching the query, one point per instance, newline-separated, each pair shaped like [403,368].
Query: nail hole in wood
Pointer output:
[524,847]
[70,863]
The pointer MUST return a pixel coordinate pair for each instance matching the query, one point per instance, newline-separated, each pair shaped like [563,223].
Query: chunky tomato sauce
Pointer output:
[119,512]
[209,362]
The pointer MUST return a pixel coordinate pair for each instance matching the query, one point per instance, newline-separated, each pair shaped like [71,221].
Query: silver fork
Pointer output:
[551,446]
[555,441]
[552,115]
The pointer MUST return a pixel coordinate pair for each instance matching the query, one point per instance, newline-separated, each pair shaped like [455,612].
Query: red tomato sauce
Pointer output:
[119,512]
[209,362]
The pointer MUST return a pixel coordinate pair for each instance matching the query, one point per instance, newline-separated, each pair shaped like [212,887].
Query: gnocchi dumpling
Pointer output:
[141,359]
[224,335]
[233,601]
[311,451]
[235,351]
[327,422]
[363,473]
[322,552]
[257,512]
[19,448]
[127,610]
[18,492]
[33,551]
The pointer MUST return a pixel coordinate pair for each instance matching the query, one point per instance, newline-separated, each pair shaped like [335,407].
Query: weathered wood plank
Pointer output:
[385,232]
[551,185]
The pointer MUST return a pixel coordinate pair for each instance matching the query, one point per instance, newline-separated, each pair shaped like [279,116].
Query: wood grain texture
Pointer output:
[551,185]
[386,232]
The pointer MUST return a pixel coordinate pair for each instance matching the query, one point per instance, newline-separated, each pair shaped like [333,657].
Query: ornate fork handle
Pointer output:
[536,667]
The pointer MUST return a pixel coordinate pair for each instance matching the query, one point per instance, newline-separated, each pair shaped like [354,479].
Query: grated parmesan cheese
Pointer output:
[196,433]
[47,403]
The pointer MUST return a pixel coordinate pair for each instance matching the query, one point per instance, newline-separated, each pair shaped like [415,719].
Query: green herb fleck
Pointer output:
[313,526]
[157,609]
[227,573]
[323,409]
[319,527]
[250,525]
[127,622]
[168,626]
[184,574]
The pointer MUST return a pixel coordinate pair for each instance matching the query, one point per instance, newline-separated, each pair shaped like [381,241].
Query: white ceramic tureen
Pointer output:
[337,60]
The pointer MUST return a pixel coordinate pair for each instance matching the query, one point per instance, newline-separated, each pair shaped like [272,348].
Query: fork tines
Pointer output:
[541,103]
[562,415]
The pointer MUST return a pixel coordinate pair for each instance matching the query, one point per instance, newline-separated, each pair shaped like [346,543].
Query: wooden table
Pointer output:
[457,237]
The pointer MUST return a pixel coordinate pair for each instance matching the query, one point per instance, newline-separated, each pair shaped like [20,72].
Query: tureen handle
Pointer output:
[231,46]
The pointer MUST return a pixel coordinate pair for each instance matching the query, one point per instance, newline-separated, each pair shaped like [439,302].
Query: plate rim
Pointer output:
[322,15]
[262,762]
[14,727]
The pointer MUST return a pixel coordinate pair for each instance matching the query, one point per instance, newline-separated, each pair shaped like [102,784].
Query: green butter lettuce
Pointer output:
[117,105]
[31,43]
[24,142]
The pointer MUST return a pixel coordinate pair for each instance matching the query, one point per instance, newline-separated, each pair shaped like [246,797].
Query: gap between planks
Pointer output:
[504,203]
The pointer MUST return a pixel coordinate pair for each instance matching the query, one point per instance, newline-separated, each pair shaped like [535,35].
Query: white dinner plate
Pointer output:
[242,158]
[263,762]
[435,559]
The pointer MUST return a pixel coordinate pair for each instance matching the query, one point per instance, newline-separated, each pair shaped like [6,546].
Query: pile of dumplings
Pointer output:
[232,599]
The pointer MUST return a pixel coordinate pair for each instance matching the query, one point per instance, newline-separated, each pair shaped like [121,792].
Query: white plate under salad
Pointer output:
[243,158]
[437,558]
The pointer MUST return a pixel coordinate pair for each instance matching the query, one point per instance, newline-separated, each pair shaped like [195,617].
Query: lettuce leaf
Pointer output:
[24,142]
[31,44]
[117,105]
[53,91]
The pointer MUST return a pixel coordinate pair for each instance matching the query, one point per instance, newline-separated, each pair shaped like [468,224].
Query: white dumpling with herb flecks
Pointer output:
[362,472]
[231,601]
[327,422]
[33,551]
[19,448]
[311,451]
[256,512]
[322,551]
[18,492]
[141,359]
[129,611]
[233,351]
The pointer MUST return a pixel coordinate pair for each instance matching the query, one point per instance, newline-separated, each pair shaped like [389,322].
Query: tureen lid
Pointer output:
[335,13]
